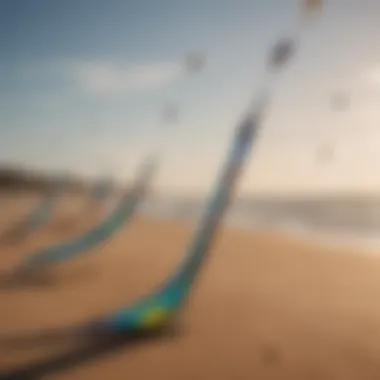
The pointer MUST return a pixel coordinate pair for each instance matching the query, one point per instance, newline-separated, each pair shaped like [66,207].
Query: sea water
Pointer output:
[350,222]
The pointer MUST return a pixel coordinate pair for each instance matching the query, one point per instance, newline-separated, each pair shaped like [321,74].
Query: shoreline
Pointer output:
[359,242]
[340,243]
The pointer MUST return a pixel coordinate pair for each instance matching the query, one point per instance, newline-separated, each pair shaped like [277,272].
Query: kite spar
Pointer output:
[155,310]
[123,212]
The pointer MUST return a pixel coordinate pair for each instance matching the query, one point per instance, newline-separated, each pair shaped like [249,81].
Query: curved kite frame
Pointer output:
[123,213]
[154,311]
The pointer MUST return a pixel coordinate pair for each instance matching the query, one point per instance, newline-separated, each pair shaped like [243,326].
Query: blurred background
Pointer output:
[83,85]
[90,88]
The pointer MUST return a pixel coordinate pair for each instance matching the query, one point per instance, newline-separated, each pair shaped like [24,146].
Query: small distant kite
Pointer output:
[311,7]
[281,52]
[285,47]
[170,114]
[194,62]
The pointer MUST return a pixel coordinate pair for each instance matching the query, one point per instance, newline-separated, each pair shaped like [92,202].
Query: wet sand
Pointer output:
[265,307]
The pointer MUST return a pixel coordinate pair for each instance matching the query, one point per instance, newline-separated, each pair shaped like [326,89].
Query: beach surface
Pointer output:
[265,306]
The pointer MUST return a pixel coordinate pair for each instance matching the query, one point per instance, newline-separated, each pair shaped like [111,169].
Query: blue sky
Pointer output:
[83,82]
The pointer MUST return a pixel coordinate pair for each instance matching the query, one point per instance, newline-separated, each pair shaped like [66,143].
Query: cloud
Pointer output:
[108,79]
[99,78]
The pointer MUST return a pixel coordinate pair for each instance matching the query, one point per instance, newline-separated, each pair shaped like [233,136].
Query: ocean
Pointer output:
[342,221]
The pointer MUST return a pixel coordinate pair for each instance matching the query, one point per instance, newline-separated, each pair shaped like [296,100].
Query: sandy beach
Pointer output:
[265,307]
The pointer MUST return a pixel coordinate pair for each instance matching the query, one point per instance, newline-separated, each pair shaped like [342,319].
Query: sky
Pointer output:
[83,84]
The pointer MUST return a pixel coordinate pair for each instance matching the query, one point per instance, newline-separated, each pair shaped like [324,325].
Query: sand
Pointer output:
[265,307]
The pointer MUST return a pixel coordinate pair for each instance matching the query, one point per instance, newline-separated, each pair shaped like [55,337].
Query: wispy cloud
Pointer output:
[107,78]
[100,78]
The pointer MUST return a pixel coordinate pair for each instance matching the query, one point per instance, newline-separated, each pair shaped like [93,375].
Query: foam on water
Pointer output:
[367,241]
